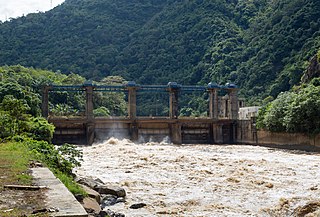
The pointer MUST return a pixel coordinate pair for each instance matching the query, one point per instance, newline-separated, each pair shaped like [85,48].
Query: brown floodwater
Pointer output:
[205,180]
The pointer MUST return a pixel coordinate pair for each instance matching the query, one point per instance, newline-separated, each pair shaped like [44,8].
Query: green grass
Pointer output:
[68,181]
[14,164]
[17,212]
[14,161]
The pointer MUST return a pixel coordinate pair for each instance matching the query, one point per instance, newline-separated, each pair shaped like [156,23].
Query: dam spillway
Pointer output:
[218,127]
[178,131]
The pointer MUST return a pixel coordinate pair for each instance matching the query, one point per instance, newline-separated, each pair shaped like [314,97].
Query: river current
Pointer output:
[205,180]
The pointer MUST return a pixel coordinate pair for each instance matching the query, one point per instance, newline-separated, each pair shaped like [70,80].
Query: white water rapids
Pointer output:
[205,180]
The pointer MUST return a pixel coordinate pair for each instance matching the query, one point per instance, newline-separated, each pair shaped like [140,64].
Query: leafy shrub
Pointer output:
[63,110]
[276,112]
[14,115]
[63,158]
[293,111]
[40,129]
[102,111]
[6,126]
[71,156]
[60,160]
[14,121]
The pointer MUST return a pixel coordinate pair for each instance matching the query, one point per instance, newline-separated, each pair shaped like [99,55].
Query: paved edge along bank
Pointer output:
[57,195]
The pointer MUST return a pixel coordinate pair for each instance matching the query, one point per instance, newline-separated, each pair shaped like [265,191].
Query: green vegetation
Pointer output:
[26,136]
[69,182]
[14,161]
[25,85]
[260,45]
[15,156]
[294,111]
[29,137]
[15,121]
[60,160]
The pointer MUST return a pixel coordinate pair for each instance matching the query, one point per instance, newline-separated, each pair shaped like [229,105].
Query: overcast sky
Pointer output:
[17,8]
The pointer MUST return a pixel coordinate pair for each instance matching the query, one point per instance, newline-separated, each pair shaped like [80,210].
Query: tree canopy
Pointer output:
[297,110]
[260,45]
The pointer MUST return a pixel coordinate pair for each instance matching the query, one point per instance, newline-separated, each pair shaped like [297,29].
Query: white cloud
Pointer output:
[17,8]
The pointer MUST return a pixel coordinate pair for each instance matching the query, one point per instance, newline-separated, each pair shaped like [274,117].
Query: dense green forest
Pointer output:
[297,110]
[261,45]
[294,111]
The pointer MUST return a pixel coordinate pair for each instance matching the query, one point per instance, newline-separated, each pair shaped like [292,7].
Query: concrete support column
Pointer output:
[217,133]
[173,103]
[89,102]
[90,126]
[132,102]
[213,103]
[176,135]
[211,135]
[233,104]
[234,132]
[45,102]
[134,132]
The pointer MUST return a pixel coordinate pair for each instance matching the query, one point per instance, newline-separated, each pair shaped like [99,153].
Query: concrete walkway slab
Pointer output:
[58,196]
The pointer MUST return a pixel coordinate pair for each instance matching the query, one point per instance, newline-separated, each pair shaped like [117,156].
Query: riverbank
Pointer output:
[206,180]
[28,189]
[14,164]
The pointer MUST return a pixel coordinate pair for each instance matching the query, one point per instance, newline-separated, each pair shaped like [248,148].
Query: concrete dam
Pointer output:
[219,127]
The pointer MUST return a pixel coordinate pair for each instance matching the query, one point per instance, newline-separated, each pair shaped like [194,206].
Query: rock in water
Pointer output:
[310,208]
[91,183]
[137,205]
[110,213]
[91,206]
[91,193]
[108,200]
[121,200]
[114,190]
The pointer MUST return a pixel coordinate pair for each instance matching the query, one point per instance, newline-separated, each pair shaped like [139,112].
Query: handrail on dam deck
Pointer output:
[219,127]
[124,87]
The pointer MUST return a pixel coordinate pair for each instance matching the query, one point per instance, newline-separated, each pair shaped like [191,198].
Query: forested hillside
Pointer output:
[82,36]
[276,49]
[261,45]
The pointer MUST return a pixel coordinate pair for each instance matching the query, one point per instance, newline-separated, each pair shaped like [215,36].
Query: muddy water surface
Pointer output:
[205,180]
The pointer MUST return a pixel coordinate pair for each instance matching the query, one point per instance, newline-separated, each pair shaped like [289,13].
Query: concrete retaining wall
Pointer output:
[247,134]
[265,137]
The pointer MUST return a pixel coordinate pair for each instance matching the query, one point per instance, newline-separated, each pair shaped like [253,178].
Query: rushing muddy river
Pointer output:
[205,180]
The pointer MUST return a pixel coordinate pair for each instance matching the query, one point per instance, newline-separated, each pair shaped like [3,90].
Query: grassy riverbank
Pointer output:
[15,160]
[14,163]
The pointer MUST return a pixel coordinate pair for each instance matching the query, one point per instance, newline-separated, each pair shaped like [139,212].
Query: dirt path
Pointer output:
[206,180]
